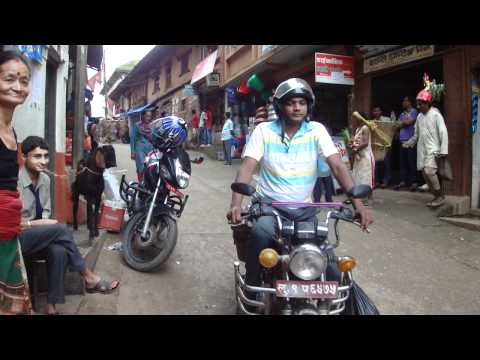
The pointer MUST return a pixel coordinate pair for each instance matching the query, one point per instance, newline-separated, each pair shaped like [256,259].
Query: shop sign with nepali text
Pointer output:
[334,69]
[397,57]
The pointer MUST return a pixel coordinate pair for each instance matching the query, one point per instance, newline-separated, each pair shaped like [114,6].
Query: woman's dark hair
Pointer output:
[227,114]
[8,55]
[32,142]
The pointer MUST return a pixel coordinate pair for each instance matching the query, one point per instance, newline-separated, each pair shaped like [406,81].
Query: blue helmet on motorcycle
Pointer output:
[168,132]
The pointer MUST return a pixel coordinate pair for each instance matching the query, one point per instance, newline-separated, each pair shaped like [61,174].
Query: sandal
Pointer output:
[102,287]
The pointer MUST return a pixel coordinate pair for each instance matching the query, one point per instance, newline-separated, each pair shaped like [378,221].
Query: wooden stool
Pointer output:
[36,266]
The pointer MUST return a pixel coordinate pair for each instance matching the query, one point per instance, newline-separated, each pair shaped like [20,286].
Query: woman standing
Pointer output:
[14,89]
[140,142]
[364,161]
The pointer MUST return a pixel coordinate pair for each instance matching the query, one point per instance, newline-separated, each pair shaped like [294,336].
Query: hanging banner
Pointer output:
[205,67]
[397,57]
[33,52]
[334,69]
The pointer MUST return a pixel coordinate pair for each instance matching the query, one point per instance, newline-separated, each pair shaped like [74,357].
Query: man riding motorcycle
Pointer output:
[288,150]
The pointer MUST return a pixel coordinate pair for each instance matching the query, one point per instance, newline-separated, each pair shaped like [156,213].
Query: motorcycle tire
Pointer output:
[169,244]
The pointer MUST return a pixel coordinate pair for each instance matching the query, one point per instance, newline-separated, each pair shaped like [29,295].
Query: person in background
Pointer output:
[364,161]
[431,138]
[203,116]
[227,138]
[140,144]
[387,162]
[324,181]
[195,129]
[15,78]
[208,128]
[43,233]
[408,156]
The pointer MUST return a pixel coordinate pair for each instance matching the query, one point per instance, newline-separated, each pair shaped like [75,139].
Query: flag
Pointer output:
[97,78]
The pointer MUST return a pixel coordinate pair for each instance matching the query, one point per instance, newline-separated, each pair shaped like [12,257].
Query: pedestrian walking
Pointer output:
[227,138]
[431,138]
[201,125]
[195,129]
[363,159]
[208,128]
[140,144]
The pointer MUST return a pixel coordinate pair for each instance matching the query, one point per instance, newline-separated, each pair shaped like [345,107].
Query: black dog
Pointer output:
[89,182]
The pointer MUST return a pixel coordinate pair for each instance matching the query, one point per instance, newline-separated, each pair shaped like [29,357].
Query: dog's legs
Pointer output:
[90,219]
[97,208]
[75,199]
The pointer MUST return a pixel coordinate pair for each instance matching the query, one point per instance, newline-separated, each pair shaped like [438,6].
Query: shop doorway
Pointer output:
[331,106]
[388,92]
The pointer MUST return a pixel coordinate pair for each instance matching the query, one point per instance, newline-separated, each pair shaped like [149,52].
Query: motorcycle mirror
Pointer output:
[244,189]
[359,191]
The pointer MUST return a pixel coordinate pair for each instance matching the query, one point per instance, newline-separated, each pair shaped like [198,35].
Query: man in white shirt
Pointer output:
[203,135]
[227,138]
[431,138]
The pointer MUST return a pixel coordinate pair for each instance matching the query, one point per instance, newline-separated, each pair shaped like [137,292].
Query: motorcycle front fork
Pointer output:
[153,202]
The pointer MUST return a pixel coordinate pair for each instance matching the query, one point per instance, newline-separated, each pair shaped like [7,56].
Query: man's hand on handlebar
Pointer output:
[234,215]
[365,215]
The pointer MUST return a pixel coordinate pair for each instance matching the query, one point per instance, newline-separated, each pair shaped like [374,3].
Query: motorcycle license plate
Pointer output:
[307,289]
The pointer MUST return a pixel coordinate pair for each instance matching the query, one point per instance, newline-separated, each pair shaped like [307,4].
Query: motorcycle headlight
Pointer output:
[182,177]
[307,262]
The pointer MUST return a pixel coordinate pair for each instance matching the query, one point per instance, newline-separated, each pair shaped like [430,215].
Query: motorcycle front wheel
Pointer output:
[148,255]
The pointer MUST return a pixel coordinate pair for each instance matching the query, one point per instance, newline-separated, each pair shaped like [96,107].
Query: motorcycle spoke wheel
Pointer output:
[146,254]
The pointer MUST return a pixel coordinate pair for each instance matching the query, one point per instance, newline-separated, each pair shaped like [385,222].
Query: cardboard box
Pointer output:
[111,216]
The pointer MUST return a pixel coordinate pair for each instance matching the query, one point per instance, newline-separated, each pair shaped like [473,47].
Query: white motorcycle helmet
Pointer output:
[293,87]
[288,89]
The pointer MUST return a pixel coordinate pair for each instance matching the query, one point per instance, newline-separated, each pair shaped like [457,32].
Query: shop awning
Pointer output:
[137,110]
[205,67]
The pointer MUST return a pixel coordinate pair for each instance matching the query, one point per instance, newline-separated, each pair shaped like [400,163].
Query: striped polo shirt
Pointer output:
[289,169]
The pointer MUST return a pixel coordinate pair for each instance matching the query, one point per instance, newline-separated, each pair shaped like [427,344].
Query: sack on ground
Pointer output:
[444,168]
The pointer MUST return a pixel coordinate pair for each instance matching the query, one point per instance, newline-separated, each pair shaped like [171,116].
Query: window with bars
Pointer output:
[184,64]
[168,75]
[156,82]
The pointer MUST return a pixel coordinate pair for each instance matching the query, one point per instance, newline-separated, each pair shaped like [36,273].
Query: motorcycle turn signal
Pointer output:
[268,258]
[346,263]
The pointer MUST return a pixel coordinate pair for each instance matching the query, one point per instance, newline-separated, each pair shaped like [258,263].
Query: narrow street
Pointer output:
[411,263]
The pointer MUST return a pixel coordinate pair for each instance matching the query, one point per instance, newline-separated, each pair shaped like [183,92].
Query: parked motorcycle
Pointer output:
[294,270]
[153,205]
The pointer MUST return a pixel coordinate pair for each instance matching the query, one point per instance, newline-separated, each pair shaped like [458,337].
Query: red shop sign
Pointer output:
[334,69]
